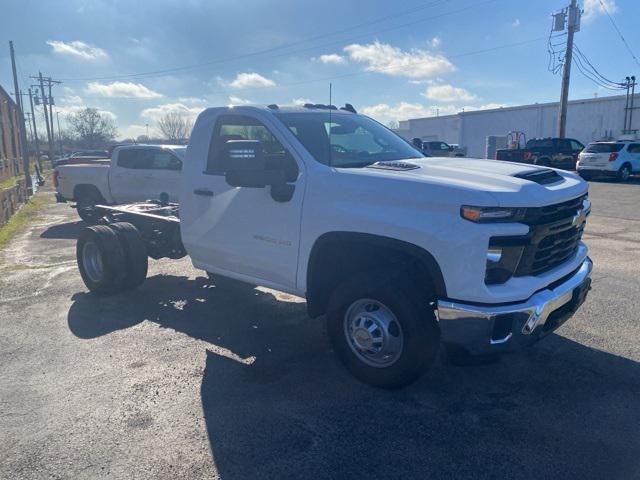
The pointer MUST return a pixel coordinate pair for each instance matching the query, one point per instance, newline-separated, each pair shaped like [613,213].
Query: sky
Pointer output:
[137,60]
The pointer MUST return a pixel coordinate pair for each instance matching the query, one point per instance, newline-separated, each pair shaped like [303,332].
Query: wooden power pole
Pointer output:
[573,22]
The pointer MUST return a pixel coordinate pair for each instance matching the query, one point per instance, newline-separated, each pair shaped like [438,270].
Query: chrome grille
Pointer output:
[555,233]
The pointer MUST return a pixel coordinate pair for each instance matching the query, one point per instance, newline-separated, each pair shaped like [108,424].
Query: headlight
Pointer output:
[491,214]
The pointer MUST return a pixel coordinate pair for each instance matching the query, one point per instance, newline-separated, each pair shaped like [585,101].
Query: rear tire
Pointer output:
[101,260]
[381,333]
[624,173]
[135,251]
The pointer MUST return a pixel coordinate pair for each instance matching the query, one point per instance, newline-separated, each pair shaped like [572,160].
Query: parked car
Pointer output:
[440,149]
[611,159]
[547,152]
[134,173]
[399,251]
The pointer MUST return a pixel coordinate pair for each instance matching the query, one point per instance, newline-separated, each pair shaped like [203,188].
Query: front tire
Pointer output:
[382,334]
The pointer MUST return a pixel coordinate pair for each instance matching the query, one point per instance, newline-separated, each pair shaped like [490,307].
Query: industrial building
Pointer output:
[587,120]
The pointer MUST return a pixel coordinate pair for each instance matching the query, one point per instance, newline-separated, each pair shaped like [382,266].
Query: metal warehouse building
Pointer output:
[587,120]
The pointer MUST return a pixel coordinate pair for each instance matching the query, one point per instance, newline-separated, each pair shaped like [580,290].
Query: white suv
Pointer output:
[617,159]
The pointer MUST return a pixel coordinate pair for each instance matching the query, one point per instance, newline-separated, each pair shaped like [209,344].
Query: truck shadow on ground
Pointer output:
[557,410]
[64,231]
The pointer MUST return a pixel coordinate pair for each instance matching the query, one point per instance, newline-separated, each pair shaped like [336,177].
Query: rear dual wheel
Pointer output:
[112,258]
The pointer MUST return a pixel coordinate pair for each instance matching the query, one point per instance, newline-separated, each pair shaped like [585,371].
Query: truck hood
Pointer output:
[510,184]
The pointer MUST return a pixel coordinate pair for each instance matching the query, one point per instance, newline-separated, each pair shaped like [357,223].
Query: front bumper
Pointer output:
[503,327]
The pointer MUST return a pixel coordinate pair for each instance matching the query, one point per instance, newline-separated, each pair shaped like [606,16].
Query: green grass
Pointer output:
[9,182]
[18,222]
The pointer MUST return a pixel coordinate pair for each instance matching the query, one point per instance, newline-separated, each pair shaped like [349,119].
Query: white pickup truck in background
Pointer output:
[135,173]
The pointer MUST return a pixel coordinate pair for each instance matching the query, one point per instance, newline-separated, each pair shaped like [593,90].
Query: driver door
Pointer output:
[243,232]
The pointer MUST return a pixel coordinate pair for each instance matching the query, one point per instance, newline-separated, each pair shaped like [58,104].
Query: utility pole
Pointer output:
[46,115]
[633,94]
[59,132]
[35,131]
[626,105]
[23,134]
[573,24]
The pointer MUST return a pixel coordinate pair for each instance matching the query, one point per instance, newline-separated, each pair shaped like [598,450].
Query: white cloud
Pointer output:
[156,113]
[333,58]
[77,49]
[301,101]
[192,100]
[593,8]
[65,110]
[401,111]
[233,100]
[250,80]
[385,58]
[134,131]
[435,42]
[404,110]
[71,100]
[448,93]
[515,23]
[121,90]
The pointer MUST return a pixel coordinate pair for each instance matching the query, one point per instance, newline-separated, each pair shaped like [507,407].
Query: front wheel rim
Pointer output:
[92,261]
[373,333]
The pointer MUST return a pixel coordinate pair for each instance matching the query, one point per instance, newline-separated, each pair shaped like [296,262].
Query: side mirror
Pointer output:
[246,166]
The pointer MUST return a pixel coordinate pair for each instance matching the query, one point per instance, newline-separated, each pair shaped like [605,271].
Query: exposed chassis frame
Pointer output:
[157,222]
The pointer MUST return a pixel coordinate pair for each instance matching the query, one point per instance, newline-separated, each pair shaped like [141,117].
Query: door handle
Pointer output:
[204,192]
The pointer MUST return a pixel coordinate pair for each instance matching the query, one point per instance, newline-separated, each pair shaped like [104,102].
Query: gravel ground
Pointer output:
[181,379]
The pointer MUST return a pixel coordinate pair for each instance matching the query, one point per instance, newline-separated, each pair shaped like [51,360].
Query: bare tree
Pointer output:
[175,127]
[91,129]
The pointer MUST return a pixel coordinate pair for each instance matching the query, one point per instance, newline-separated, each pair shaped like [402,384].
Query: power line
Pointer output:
[619,32]
[163,72]
[588,66]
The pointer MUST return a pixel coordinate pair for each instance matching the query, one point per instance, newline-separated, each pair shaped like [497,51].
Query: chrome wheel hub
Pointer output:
[92,261]
[373,333]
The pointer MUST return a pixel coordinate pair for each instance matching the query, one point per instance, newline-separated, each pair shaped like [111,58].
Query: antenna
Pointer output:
[330,148]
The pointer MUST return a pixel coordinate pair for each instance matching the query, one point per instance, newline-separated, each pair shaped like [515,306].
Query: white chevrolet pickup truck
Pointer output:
[400,252]
[135,173]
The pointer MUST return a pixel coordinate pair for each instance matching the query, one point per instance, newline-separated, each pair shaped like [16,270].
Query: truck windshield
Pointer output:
[603,147]
[347,140]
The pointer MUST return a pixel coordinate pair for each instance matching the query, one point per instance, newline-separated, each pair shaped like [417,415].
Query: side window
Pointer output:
[239,127]
[164,160]
[444,146]
[634,148]
[129,158]
[575,145]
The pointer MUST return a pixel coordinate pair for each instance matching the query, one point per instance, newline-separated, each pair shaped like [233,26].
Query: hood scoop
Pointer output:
[543,176]
[394,165]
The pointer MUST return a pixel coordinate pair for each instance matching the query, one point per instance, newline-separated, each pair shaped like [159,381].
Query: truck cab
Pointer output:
[134,173]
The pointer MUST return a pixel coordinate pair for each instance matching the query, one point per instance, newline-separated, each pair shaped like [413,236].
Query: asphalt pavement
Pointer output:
[183,379]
